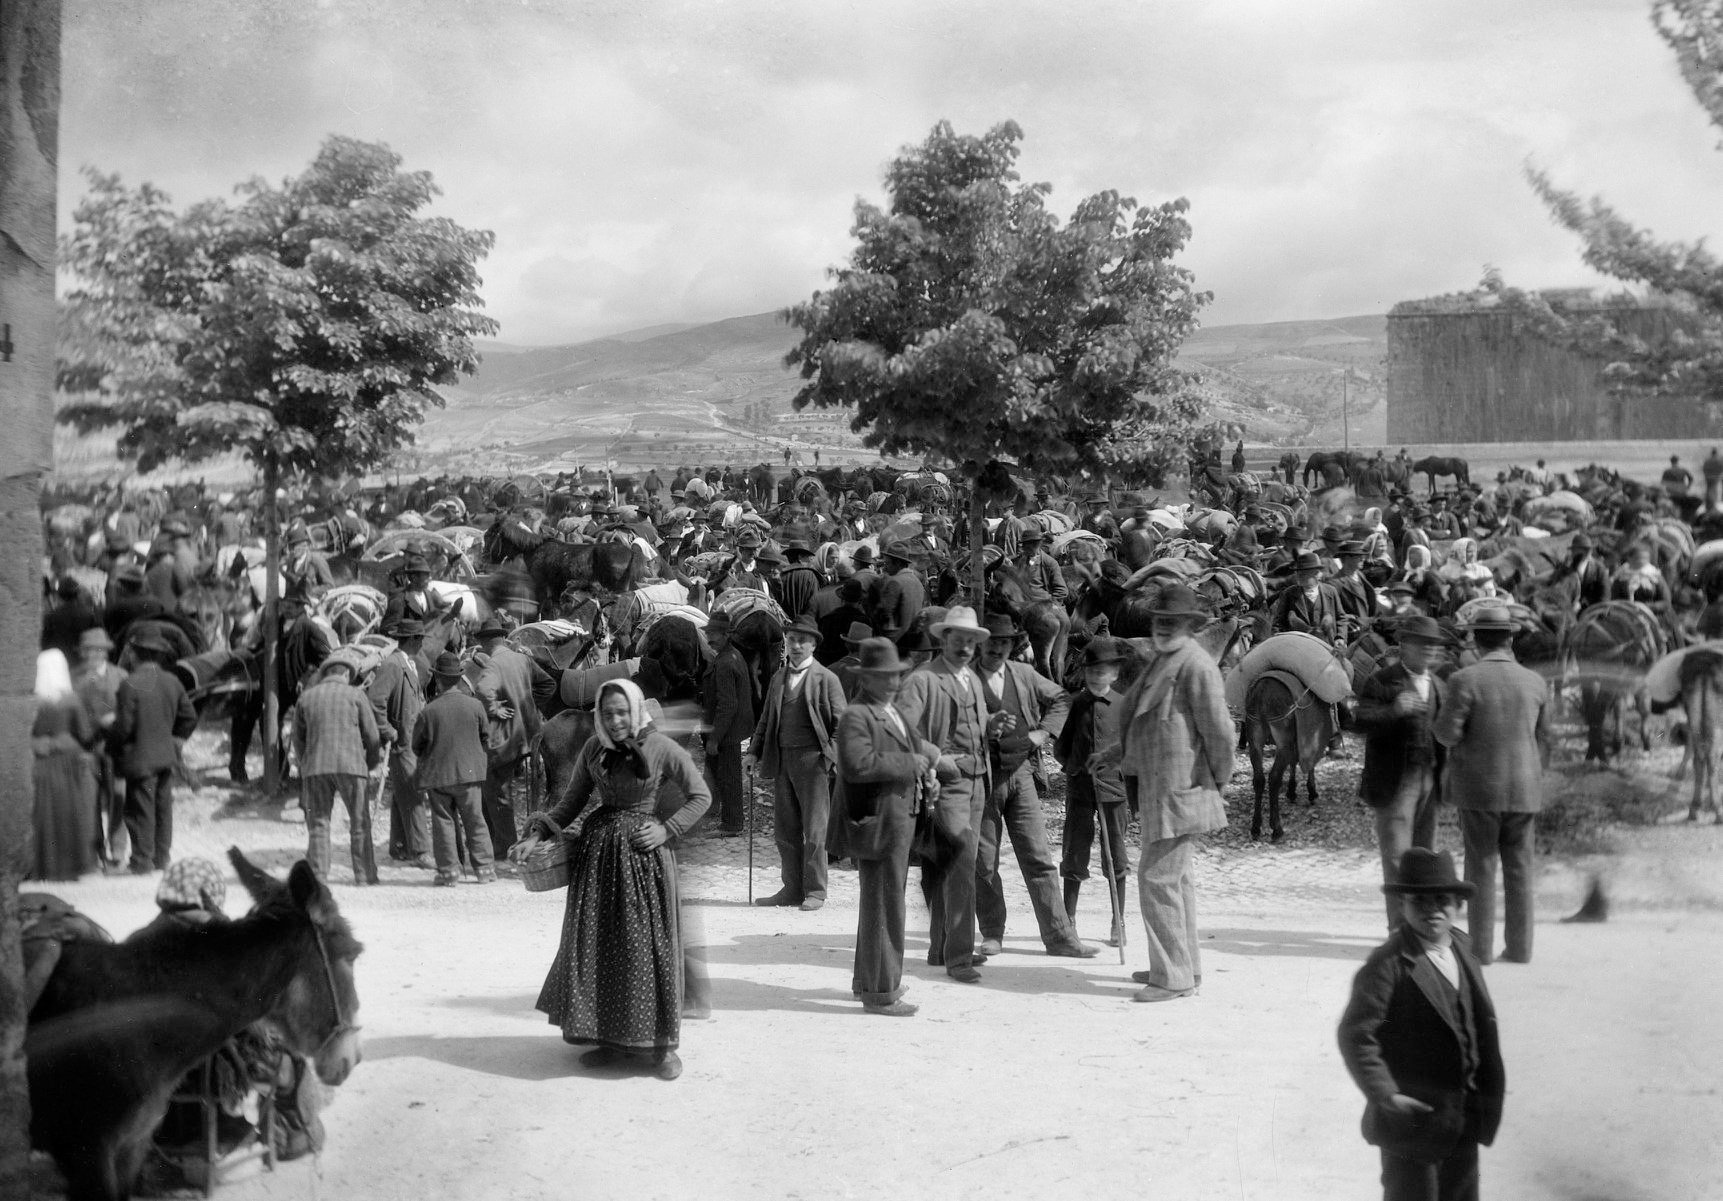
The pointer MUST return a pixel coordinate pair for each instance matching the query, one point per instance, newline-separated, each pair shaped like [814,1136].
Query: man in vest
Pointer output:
[1033,709]
[792,746]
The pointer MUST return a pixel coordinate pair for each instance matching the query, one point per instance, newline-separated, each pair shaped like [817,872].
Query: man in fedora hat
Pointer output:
[1420,1039]
[1044,581]
[303,565]
[1396,711]
[127,600]
[397,691]
[943,702]
[1175,751]
[744,571]
[508,686]
[1034,712]
[727,701]
[1494,721]
[152,717]
[867,578]
[449,746]
[882,766]
[799,581]
[96,680]
[171,574]
[1354,595]
[1309,606]
[1285,557]
[412,596]
[845,668]
[902,595]
[1585,579]
[1088,751]
[835,619]
[792,746]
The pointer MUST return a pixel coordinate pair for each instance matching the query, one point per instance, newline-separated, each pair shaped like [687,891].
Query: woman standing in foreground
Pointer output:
[616,981]
[65,827]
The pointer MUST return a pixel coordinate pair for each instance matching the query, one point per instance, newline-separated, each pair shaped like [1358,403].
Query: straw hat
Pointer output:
[959,619]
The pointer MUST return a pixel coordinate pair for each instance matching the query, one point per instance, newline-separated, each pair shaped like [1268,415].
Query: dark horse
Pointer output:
[1279,709]
[1435,465]
[118,1026]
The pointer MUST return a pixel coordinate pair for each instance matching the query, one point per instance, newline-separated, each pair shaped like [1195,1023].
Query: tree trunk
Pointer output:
[977,560]
[271,626]
[29,134]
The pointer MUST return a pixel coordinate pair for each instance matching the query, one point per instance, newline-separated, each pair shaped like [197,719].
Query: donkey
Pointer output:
[1280,710]
[118,1026]
[1702,699]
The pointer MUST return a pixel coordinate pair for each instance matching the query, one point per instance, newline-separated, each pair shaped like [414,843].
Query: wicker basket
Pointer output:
[548,867]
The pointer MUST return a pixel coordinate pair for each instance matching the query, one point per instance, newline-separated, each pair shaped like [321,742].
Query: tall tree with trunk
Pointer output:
[29,137]
[302,325]
[971,323]
[1689,276]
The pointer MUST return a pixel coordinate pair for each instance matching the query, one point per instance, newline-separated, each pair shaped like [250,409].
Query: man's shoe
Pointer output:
[426,862]
[1073,950]
[809,904]
[781,897]
[446,879]
[486,876]
[1505,957]
[964,975]
[1147,977]
[990,946]
[897,1009]
[1154,992]
[668,1065]
[727,832]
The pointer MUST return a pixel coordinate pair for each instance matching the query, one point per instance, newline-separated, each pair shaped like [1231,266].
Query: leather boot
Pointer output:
[1072,888]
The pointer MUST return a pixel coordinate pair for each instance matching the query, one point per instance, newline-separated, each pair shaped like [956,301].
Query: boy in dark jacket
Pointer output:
[1088,751]
[1419,1037]
[449,743]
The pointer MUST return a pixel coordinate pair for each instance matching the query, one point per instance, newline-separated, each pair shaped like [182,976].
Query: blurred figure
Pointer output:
[64,823]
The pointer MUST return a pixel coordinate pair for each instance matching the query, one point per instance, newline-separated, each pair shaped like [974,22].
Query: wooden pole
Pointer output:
[1345,418]
[271,626]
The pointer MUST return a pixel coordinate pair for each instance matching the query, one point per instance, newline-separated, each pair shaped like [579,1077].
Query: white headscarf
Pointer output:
[53,677]
[637,718]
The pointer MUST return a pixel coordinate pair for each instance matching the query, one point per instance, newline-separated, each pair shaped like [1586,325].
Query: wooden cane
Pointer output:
[750,823]
[1107,870]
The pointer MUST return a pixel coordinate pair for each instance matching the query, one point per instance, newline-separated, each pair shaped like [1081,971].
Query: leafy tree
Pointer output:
[1690,361]
[303,325]
[972,324]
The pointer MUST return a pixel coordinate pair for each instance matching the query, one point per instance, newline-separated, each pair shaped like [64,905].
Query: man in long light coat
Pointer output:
[1176,740]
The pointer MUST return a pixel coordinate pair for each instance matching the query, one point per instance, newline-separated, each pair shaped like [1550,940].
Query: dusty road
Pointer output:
[1045,1081]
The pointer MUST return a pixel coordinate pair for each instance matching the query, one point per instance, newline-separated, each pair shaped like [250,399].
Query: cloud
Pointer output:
[682,160]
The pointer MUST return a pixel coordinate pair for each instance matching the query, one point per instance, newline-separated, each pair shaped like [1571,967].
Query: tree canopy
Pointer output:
[303,324]
[1688,276]
[972,323]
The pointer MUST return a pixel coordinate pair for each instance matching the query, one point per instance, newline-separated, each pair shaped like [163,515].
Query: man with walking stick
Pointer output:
[1088,750]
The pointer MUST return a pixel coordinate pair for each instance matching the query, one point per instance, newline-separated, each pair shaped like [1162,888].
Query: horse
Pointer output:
[1046,623]
[118,1025]
[1279,709]
[1435,465]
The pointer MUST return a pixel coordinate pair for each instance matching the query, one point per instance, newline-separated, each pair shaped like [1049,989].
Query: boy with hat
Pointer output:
[152,717]
[792,746]
[449,744]
[1396,711]
[883,766]
[1088,751]
[1025,711]
[1419,1038]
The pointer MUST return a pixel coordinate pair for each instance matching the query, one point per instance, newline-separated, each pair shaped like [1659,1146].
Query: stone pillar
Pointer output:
[29,132]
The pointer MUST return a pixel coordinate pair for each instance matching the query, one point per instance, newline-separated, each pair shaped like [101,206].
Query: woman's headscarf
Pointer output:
[53,677]
[1417,558]
[192,884]
[626,753]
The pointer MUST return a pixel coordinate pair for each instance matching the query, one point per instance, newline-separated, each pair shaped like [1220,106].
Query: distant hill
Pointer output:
[721,390]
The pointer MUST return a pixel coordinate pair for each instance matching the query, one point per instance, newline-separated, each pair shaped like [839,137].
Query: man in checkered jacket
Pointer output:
[335,736]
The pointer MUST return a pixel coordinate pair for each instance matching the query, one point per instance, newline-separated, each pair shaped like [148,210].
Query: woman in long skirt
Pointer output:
[616,981]
[65,827]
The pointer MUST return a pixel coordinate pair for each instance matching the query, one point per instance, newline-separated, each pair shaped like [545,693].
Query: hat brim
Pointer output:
[945,629]
[1458,888]
[1492,625]
[1188,614]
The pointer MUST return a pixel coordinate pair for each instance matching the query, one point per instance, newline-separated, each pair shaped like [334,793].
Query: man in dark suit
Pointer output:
[902,596]
[1495,723]
[1396,710]
[152,716]
[1419,1038]
[397,692]
[727,696]
[449,745]
[1309,606]
[508,686]
[881,766]
[792,745]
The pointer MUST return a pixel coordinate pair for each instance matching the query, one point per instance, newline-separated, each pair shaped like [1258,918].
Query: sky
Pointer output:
[649,161]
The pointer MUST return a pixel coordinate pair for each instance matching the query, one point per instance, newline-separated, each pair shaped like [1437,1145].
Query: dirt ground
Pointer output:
[1045,1080]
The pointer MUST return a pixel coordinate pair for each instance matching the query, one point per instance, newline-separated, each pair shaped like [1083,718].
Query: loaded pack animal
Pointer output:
[1607,651]
[1439,465]
[118,1025]
[554,567]
[1279,709]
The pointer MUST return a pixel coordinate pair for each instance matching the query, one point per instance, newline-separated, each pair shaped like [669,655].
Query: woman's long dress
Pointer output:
[616,980]
[64,822]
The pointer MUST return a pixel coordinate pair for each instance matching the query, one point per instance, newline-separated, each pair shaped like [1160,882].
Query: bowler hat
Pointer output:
[1581,541]
[862,556]
[1104,650]
[748,539]
[1295,533]
[1492,617]
[769,556]
[797,546]
[1308,560]
[448,665]
[405,627]
[150,639]
[719,621]
[1419,628]
[492,628]
[1179,600]
[804,626]
[95,638]
[413,561]
[1000,625]
[1031,533]
[879,655]
[959,619]
[1351,548]
[899,551]
[858,632]
[1423,871]
[1333,533]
